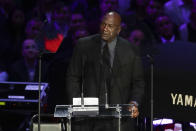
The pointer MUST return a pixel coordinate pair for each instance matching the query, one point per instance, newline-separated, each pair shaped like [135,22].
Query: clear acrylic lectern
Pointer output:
[101,111]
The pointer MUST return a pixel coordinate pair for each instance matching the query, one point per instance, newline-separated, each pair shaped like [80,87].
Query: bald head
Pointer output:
[110,26]
[115,16]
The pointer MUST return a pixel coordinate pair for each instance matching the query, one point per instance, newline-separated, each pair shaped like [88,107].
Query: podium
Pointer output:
[97,111]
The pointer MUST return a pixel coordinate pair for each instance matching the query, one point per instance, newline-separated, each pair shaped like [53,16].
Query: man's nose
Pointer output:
[105,28]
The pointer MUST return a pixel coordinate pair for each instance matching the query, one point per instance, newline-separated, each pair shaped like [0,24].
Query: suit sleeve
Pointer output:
[138,79]
[74,73]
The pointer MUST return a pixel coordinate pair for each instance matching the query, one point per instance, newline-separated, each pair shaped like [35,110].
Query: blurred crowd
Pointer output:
[28,28]
[51,28]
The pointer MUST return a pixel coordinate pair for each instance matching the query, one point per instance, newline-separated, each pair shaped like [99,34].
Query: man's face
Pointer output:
[18,18]
[77,21]
[62,14]
[79,34]
[30,50]
[153,9]
[110,28]
[136,37]
[33,28]
[164,26]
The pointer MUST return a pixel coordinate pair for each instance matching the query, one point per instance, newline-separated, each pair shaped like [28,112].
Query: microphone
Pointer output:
[150,57]
[107,82]
[82,87]
[84,105]
[104,67]
[106,96]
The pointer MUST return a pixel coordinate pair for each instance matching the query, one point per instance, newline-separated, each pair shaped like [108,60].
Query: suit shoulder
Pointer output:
[129,46]
[88,38]
[86,43]
[126,43]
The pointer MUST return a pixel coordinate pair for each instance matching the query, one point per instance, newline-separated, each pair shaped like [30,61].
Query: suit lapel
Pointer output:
[116,91]
[118,54]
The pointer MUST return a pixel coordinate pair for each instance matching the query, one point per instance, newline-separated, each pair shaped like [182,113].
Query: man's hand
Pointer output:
[134,110]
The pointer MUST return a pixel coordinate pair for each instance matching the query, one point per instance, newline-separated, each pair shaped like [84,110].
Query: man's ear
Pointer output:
[119,29]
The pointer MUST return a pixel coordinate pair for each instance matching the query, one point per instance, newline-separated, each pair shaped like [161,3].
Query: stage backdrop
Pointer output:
[175,81]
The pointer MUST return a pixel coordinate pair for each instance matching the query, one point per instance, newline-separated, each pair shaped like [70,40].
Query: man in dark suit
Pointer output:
[121,75]
[26,68]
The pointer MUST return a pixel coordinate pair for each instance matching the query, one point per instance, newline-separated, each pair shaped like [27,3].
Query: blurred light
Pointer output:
[16,97]
[166,121]
[157,122]
[193,125]
[162,121]
[177,127]
[168,130]
[33,87]
[2,103]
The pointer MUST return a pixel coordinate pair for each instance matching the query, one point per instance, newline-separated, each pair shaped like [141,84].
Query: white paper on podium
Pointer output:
[90,106]
[87,101]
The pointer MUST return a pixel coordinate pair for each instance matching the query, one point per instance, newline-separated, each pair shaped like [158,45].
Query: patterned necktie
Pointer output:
[106,68]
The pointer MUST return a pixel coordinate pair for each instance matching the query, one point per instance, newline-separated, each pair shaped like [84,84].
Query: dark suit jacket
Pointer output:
[127,82]
[19,72]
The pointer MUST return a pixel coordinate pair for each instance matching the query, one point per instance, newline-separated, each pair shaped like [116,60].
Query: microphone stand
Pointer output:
[151,89]
[41,52]
[106,96]
[82,87]
[39,80]
[82,96]
[104,68]
[39,90]
[107,81]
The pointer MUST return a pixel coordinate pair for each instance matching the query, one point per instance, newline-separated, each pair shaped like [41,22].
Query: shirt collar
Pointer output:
[164,41]
[111,45]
